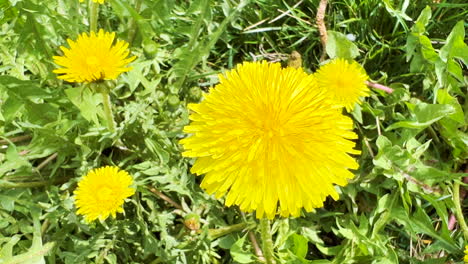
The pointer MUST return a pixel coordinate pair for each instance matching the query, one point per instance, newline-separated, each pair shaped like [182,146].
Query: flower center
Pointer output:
[270,125]
[105,194]
[92,61]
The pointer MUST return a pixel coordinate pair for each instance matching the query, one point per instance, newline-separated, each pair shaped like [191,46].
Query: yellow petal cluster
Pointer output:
[93,58]
[465,259]
[95,1]
[270,140]
[102,192]
[345,82]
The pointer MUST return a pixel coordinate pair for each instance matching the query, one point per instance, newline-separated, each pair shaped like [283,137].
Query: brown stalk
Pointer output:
[15,139]
[320,20]
[165,198]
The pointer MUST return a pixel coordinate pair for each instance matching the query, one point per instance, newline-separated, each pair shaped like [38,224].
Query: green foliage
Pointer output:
[338,45]
[397,209]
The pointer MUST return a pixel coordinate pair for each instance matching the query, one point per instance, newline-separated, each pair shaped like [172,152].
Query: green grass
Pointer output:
[396,210]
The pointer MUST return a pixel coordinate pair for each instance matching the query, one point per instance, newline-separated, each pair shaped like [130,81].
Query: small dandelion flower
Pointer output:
[95,1]
[102,192]
[93,58]
[270,140]
[344,81]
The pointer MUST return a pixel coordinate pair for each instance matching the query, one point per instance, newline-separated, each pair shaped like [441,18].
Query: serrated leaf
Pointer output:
[11,108]
[86,101]
[443,97]
[421,223]
[300,246]
[239,254]
[455,45]
[425,115]
[339,46]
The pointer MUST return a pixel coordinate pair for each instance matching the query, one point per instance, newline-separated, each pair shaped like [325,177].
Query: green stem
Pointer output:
[93,15]
[132,24]
[267,241]
[5,184]
[11,185]
[434,134]
[458,209]
[32,254]
[215,233]
[108,111]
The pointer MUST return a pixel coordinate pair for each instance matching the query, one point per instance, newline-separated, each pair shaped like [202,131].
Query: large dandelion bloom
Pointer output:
[93,58]
[102,192]
[271,140]
[344,81]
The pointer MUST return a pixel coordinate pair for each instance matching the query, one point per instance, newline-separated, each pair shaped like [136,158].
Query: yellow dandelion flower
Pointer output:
[271,140]
[95,1]
[93,58]
[102,192]
[466,254]
[345,82]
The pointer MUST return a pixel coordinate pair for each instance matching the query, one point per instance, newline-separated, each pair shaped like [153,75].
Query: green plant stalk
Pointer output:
[30,255]
[458,209]
[215,233]
[267,241]
[11,185]
[108,110]
[133,24]
[93,15]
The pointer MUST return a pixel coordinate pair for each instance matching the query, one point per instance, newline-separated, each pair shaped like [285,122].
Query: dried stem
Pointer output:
[165,198]
[423,186]
[452,222]
[321,27]
[371,152]
[285,13]
[46,161]
[377,123]
[380,87]
[15,139]
[258,250]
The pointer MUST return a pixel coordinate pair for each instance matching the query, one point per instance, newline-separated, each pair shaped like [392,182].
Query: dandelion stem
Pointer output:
[11,185]
[133,24]
[458,209]
[219,232]
[108,111]
[93,15]
[267,241]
